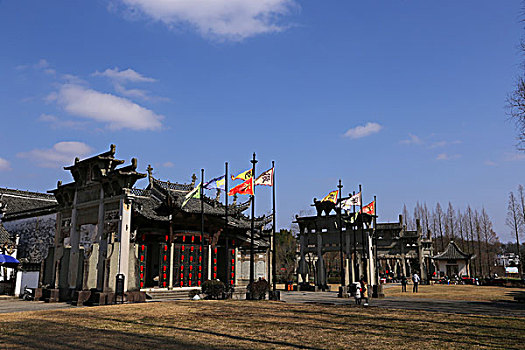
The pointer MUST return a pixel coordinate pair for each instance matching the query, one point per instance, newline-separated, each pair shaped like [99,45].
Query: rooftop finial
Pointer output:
[134,163]
[112,149]
[77,160]
[193,180]
[150,173]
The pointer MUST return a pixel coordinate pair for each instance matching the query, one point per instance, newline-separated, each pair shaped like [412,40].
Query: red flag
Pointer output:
[369,208]
[245,188]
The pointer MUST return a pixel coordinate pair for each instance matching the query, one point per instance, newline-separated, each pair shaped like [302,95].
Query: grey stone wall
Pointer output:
[36,236]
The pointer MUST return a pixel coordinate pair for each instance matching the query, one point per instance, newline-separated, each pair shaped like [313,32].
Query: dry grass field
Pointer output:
[452,292]
[254,325]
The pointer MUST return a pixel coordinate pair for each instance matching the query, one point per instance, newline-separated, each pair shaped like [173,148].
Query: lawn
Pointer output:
[247,325]
[453,292]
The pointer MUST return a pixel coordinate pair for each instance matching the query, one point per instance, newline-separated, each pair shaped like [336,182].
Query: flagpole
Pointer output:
[354,260]
[378,281]
[228,272]
[274,250]
[252,243]
[202,225]
[362,235]
[340,187]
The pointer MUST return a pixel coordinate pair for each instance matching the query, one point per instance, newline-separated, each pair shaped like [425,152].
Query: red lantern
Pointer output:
[167,237]
[141,284]
[191,258]
[191,249]
[182,248]
[192,239]
[164,276]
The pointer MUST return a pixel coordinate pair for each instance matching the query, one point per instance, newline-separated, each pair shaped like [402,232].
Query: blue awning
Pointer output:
[8,261]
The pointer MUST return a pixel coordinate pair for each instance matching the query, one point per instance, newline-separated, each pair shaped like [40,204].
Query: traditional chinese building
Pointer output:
[453,261]
[107,227]
[369,248]
[28,220]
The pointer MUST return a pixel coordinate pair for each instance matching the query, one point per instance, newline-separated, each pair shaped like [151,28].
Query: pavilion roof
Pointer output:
[452,252]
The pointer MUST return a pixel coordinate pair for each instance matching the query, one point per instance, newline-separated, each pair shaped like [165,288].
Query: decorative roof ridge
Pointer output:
[172,185]
[449,251]
[26,194]
[108,155]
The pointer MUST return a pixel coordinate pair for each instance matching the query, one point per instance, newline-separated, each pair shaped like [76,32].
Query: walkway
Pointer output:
[450,306]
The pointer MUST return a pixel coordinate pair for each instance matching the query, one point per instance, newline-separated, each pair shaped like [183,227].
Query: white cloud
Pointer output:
[444,143]
[168,165]
[4,165]
[62,153]
[117,112]
[57,123]
[446,156]
[363,130]
[490,163]
[221,19]
[124,75]
[41,64]
[412,139]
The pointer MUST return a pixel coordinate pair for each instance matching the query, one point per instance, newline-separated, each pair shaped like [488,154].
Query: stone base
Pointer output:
[38,295]
[80,297]
[51,295]
[343,292]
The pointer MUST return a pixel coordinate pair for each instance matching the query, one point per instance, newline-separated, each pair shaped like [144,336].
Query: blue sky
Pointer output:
[185,85]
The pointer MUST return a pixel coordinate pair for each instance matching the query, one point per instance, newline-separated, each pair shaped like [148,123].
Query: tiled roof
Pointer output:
[5,237]
[173,185]
[452,252]
[18,200]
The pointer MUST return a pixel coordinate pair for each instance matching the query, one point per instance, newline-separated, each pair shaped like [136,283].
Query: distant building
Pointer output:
[29,220]
[453,261]
[507,259]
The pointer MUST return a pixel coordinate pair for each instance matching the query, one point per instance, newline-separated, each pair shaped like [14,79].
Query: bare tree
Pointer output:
[515,222]
[450,222]
[472,250]
[490,238]
[440,221]
[477,223]
[516,109]
[460,219]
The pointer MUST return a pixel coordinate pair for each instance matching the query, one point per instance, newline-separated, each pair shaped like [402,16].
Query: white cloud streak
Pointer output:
[222,19]
[446,156]
[117,112]
[4,165]
[412,140]
[62,153]
[363,130]
[128,75]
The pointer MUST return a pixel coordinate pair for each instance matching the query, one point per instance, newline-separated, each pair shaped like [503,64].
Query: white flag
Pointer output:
[349,202]
[265,179]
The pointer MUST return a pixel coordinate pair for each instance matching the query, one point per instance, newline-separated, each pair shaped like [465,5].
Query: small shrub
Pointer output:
[214,289]
[259,289]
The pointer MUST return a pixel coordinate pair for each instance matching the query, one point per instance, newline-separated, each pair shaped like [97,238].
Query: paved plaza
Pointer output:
[499,308]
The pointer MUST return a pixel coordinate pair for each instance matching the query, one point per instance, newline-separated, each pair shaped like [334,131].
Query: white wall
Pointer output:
[27,279]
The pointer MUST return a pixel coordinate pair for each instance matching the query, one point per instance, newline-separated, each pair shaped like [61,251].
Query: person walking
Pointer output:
[403,283]
[364,291]
[358,294]
[416,280]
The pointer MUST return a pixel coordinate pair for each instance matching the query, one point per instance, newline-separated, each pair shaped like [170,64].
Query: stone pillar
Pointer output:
[348,273]
[172,253]
[124,235]
[74,236]
[321,280]
[102,243]
[403,265]
[57,251]
[302,262]
[371,263]
[236,267]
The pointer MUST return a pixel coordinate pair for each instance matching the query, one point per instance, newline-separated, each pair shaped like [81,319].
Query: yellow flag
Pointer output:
[331,197]
[244,175]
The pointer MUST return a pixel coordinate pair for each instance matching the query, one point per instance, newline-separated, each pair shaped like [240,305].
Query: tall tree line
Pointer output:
[470,229]
[516,221]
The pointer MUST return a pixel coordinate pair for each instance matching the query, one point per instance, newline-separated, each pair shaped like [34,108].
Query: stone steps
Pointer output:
[181,294]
